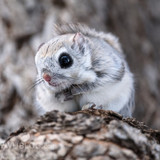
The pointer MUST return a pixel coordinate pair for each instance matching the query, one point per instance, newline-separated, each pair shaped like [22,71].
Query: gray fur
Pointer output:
[129,107]
[99,69]
[72,28]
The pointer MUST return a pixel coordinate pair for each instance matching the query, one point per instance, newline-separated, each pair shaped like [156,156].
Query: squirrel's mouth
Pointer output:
[54,84]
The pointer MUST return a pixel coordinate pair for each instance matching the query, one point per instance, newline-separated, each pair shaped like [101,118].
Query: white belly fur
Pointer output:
[110,96]
[46,101]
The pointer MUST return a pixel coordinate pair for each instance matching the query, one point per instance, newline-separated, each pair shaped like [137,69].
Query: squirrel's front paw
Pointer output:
[91,106]
[64,96]
[60,97]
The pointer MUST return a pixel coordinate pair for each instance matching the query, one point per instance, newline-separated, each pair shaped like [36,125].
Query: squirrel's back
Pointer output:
[85,30]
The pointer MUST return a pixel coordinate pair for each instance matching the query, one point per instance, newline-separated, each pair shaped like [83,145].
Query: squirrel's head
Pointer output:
[65,61]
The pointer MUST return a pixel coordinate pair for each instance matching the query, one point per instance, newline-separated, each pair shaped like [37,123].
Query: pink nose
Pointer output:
[46,77]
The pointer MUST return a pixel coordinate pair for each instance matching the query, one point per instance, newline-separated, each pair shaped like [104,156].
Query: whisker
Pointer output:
[63,85]
[82,89]
[73,86]
[79,88]
[37,82]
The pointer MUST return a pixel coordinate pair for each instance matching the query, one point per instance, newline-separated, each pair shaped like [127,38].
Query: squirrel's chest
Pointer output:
[102,96]
[47,100]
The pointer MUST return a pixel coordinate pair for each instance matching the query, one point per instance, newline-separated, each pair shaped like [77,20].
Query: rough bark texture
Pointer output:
[88,134]
[24,25]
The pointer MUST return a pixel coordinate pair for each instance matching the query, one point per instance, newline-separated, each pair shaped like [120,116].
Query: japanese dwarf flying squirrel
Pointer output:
[82,66]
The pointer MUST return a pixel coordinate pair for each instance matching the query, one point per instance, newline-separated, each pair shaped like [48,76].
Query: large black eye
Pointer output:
[65,60]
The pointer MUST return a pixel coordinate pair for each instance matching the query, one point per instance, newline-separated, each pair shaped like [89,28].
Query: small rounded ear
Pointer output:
[79,38]
[79,42]
[40,46]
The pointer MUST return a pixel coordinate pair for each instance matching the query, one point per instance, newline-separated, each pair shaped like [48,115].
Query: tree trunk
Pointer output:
[88,134]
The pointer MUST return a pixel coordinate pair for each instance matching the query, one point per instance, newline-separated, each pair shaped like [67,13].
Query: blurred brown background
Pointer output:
[25,24]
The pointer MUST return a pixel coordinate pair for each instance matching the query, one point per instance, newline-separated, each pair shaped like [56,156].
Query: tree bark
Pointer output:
[88,134]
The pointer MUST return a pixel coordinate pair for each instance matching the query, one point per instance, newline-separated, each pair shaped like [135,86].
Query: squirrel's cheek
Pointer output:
[88,76]
[74,75]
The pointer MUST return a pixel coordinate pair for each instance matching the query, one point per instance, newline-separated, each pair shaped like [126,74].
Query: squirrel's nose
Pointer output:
[46,77]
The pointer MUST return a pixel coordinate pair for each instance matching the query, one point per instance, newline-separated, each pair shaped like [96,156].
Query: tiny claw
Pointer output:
[88,106]
[91,106]
[68,98]
[98,107]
